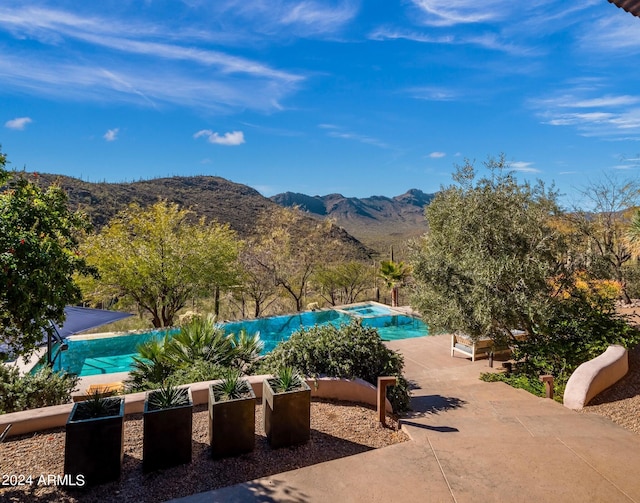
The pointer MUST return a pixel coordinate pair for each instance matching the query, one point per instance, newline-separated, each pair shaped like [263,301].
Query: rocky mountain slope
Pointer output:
[214,198]
[377,221]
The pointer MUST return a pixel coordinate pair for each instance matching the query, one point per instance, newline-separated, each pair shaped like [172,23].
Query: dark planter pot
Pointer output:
[94,448]
[287,416]
[166,435]
[232,424]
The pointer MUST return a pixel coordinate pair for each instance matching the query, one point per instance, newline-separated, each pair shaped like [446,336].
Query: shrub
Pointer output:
[199,352]
[580,330]
[528,383]
[347,351]
[31,391]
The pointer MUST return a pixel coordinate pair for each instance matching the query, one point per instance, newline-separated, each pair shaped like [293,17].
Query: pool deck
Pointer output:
[471,441]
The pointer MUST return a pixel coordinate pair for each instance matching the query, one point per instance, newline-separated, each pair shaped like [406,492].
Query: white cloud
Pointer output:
[612,34]
[437,155]
[523,167]
[111,134]
[231,139]
[19,123]
[586,106]
[318,17]
[136,60]
[453,12]
[357,137]
[433,93]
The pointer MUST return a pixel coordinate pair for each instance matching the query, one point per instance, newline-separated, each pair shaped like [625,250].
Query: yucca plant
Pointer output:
[287,379]
[168,396]
[231,387]
[232,415]
[97,405]
[167,427]
[94,439]
[286,401]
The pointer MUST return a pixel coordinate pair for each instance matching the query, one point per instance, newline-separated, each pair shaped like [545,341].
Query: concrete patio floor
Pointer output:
[471,441]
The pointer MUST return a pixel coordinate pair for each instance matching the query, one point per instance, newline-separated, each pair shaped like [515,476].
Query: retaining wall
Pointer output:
[32,420]
[595,376]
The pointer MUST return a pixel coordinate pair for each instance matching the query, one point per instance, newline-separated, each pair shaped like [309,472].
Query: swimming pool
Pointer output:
[102,354]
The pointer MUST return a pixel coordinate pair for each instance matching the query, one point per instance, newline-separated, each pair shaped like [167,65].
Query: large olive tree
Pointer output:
[161,257]
[493,260]
[38,260]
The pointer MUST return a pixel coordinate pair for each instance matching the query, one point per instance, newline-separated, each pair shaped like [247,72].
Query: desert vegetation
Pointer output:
[499,255]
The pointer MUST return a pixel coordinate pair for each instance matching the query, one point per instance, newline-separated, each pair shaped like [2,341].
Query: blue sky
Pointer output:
[357,97]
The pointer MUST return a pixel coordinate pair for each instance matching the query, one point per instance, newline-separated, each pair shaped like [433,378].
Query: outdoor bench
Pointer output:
[480,348]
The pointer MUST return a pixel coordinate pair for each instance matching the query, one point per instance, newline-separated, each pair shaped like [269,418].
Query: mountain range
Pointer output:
[375,222]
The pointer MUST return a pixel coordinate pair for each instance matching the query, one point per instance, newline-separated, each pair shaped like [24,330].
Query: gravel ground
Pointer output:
[338,429]
[621,402]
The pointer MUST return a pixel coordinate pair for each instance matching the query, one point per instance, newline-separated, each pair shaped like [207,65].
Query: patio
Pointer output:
[471,441]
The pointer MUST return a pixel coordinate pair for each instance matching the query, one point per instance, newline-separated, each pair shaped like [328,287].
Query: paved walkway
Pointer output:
[471,442]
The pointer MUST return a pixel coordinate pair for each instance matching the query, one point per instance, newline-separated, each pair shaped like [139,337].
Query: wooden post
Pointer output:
[383,382]
[548,385]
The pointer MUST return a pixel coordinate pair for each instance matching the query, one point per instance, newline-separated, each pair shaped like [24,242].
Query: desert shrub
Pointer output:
[346,351]
[582,328]
[31,391]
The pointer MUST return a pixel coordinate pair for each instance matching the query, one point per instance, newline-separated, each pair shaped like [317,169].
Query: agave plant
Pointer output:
[97,405]
[168,396]
[231,387]
[287,379]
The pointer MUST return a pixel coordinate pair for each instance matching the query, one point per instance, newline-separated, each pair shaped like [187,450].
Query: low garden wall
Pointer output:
[595,376]
[32,420]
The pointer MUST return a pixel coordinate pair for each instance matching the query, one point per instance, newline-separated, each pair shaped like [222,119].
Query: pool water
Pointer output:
[93,355]
[366,310]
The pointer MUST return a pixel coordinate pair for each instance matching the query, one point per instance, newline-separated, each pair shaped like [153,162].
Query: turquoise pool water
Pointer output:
[106,355]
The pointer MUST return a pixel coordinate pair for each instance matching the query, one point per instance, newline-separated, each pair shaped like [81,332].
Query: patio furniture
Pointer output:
[480,348]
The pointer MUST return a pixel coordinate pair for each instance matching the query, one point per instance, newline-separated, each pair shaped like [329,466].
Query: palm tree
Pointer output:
[394,274]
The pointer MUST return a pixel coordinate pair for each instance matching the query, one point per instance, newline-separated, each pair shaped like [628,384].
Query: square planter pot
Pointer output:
[167,435]
[232,424]
[287,416]
[94,448]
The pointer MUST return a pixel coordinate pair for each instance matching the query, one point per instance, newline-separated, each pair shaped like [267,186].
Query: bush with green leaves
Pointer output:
[199,352]
[347,351]
[580,329]
[526,382]
[31,391]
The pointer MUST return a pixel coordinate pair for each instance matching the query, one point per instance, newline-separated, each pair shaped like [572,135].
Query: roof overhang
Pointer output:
[631,6]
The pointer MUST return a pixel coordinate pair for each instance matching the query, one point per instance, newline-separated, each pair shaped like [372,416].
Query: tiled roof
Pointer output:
[632,6]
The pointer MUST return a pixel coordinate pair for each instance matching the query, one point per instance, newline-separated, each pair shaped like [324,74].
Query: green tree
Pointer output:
[38,260]
[161,257]
[343,282]
[492,260]
[291,247]
[257,283]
